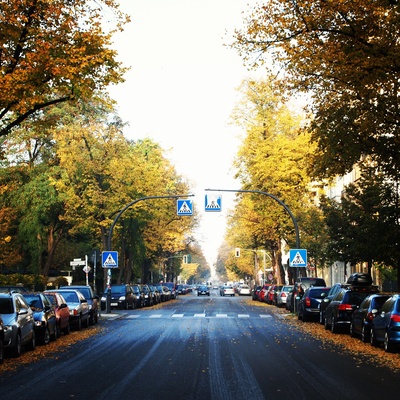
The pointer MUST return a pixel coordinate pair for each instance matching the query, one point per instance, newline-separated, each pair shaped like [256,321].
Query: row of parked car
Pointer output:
[356,307]
[30,318]
[127,296]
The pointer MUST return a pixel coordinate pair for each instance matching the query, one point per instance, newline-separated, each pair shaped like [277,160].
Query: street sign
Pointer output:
[109,259]
[184,207]
[298,258]
[86,269]
[212,203]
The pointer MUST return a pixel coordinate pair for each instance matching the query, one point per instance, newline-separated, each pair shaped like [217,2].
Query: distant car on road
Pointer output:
[203,290]
[227,291]
[244,290]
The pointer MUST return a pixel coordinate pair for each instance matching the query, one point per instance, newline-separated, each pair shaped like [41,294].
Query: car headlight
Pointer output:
[122,298]
[103,298]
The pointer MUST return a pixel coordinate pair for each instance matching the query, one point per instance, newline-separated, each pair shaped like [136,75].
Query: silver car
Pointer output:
[281,299]
[227,291]
[78,307]
[19,324]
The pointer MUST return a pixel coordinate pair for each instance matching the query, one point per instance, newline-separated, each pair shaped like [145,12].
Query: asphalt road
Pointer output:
[200,348]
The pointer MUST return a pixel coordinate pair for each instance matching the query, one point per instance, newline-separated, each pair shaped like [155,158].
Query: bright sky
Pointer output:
[181,91]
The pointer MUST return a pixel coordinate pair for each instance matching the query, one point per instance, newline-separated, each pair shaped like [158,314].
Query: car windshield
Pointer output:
[85,292]
[6,306]
[70,297]
[34,302]
[319,293]
[118,289]
[52,298]
[203,288]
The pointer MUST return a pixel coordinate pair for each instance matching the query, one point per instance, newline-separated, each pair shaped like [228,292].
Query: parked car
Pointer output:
[386,325]
[148,295]
[325,302]
[121,297]
[227,291]
[339,311]
[282,296]
[172,288]
[181,289]
[203,290]
[167,293]
[244,290]
[44,316]
[92,299]
[16,288]
[272,292]
[164,292]
[62,311]
[156,294]
[361,319]
[1,341]
[263,291]
[254,292]
[19,325]
[308,307]
[138,296]
[303,283]
[78,307]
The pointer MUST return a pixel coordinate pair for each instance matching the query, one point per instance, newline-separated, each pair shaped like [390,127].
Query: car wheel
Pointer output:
[32,343]
[387,345]
[326,325]
[321,318]
[351,331]
[16,351]
[305,317]
[364,335]
[86,323]
[334,328]
[1,352]
[79,323]
[58,331]
[46,336]
[372,338]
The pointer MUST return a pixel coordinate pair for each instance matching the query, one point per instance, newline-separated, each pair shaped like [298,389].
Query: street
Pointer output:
[200,348]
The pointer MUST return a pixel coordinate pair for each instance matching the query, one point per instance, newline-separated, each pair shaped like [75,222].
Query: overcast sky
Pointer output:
[181,91]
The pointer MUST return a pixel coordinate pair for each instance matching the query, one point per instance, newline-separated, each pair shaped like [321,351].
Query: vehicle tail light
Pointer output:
[370,316]
[345,307]
[395,317]
[283,295]
[308,302]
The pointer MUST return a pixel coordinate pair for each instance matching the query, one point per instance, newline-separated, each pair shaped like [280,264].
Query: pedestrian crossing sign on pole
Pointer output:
[212,203]
[298,257]
[184,207]
[109,259]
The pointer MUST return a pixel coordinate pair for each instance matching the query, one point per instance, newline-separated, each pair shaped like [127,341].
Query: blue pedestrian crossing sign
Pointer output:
[212,203]
[109,259]
[184,207]
[298,257]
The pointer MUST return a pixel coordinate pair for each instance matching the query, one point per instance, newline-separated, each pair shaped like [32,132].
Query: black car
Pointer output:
[255,291]
[362,317]
[138,295]
[308,307]
[44,316]
[325,302]
[203,290]
[339,311]
[171,286]
[303,283]
[92,300]
[148,295]
[121,297]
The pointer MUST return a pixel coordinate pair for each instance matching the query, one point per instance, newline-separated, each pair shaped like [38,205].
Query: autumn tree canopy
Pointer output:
[54,51]
[346,54]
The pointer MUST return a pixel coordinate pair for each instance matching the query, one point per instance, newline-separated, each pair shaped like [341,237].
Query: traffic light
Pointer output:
[237,252]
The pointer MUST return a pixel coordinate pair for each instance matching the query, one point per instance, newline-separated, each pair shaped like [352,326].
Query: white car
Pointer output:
[227,291]
[244,290]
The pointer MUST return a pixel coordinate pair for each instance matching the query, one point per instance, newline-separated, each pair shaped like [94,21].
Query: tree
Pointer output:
[53,52]
[345,55]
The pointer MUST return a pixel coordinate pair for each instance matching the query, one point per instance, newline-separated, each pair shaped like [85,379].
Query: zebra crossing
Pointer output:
[156,315]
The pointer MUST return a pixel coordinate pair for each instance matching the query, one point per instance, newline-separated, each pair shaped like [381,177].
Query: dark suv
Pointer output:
[301,285]
[339,311]
[92,300]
